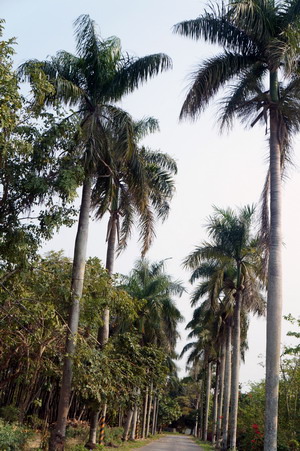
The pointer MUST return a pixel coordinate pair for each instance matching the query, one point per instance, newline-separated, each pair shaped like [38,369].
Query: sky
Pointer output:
[225,170]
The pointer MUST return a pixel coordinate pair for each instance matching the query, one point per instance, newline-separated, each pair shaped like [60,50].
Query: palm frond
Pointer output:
[248,84]
[135,73]
[210,77]
[215,26]
[145,126]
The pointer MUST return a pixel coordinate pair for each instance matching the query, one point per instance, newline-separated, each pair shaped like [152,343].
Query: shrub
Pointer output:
[294,445]
[35,422]
[77,429]
[10,413]
[13,437]
[113,436]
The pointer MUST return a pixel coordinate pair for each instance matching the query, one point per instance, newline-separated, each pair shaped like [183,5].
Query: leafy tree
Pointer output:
[10,97]
[34,198]
[260,39]
[99,76]
[34,304]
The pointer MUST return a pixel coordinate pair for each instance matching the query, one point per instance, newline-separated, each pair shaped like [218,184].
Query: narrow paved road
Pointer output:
[172,443]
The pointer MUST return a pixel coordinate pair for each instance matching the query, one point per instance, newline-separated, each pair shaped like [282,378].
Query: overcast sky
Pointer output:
[224,170]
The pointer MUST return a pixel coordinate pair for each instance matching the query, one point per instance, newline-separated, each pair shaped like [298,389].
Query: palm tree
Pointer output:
[159,316]
[136,190]
[260,40]
[236,259]
[139,187]
[90,82]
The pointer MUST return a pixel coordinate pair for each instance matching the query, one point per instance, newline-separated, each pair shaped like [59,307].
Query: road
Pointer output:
[172,443]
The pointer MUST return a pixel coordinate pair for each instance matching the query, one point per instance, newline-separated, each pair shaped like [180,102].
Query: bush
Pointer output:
[77,429]
[13,437]
[10,413]
[35,422]
[294,445]
[113,436]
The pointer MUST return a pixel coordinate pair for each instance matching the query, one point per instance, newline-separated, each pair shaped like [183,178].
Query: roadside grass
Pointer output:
[135,444]
[204,445]
[76,445]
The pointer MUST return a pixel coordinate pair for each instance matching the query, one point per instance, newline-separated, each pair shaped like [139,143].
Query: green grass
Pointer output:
[135,444]
[204,445]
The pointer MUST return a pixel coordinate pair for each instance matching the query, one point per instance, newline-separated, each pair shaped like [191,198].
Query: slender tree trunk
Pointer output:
[120,417]
[103,333]
[201,416]
[215,407]
[134,422]
[274,300]
[207,400]
[110,259]
[145,413]
[227,387]
[127,425]
[236,352]
[57,438]
[154,414]
[156,417]
[135,416]
[197,415]
[91,444]
[221,395]
[149,410]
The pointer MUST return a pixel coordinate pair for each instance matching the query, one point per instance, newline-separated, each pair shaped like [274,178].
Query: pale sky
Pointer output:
[224,170]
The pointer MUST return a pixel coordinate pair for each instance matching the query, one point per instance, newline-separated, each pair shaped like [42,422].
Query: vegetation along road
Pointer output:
[172,443]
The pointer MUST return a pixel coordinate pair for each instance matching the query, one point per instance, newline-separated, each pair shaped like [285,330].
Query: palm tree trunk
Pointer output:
[103,333]
[145,413]
[110,259]
[215,407]
[207,400]
[274,300]
[57,438]
[221,394]
[235,370]
[227,387]
[201,416]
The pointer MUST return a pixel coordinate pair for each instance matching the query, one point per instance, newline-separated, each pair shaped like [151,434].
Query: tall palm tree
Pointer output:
[236,256]
[134,190]
[260,39]
[90,82]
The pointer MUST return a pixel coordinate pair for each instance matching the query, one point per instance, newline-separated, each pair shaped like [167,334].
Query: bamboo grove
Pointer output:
[83,347]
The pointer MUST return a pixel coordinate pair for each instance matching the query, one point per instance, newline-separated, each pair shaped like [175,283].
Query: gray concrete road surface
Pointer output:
[172,443]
